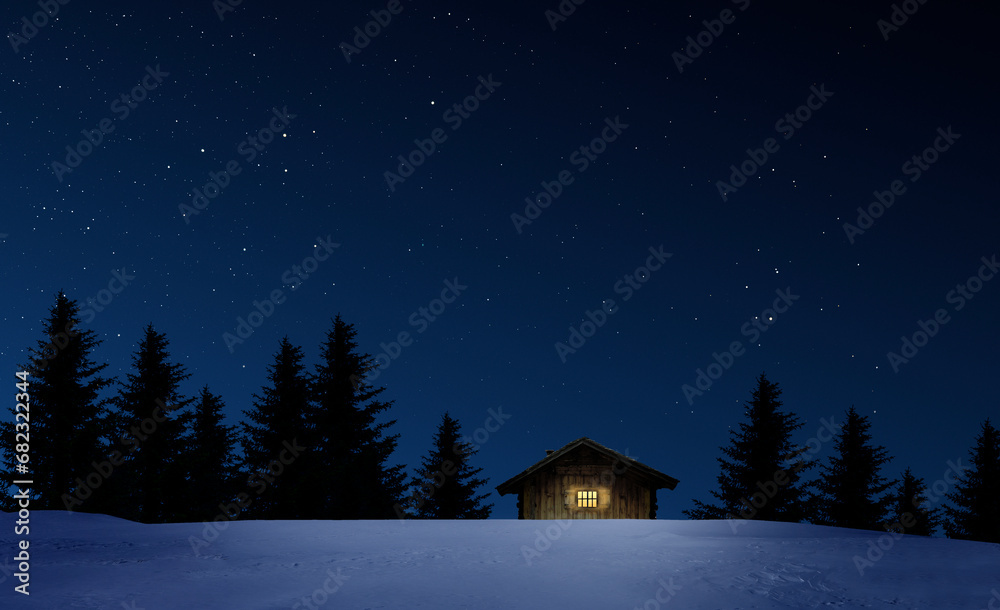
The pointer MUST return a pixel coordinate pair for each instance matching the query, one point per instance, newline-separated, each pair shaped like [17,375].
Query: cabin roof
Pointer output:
[512,484]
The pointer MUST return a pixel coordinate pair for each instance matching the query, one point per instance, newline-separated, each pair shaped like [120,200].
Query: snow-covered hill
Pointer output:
[93,561]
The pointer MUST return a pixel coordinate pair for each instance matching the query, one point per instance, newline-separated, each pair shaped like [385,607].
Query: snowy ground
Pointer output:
[93,561]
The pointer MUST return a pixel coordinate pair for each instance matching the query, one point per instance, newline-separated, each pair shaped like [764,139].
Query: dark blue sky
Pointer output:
[598,103]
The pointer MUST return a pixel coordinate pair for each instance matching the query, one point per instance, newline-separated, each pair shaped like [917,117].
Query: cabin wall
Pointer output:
[552,493]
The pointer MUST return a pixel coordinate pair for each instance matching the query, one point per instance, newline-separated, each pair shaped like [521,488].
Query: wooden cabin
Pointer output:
[586,480]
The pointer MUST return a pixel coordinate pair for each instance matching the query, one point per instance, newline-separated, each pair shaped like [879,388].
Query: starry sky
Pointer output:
[497,179]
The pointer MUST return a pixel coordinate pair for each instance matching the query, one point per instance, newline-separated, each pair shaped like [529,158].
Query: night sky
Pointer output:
[623,124]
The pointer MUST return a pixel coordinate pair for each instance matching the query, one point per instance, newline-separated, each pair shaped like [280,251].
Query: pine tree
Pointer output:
[150,484]
[445,485]
[353,476]
[277,440]
[852,488]
[911,514]
[209,459]
[976,499]
[68,421]
[760,473]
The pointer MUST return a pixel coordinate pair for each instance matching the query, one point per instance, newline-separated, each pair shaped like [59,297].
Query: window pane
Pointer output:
[586,499]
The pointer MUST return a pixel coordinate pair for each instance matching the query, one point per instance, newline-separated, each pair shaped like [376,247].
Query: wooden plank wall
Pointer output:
[551,494]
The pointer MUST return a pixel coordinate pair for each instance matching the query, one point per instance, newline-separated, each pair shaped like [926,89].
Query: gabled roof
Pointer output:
[657,477]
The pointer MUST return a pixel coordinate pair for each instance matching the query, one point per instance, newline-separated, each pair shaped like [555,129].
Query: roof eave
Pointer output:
[511,485]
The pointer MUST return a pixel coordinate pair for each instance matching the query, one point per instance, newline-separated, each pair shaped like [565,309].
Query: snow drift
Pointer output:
[94,561]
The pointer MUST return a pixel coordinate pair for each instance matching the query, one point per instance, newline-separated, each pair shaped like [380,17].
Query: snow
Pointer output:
[95,561]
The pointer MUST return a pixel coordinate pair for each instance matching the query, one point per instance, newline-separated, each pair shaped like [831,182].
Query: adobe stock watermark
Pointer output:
[562,12]
[293,277]
[38,20]
[667,591]
[136,435]
[958,297]
[914,167]
[7,569]
[116,285]
[122,108]
[702,40]
[467,444]
[788,126]
[766,490]
[421,319]
[481,435]
[249,149]
[544,539]
[900,14]
[259,482]
[222,7]
[935,493]
[580,159]
[454,118]
[994,598]
[752,330]
[627,286]
[332,584]
[363,36]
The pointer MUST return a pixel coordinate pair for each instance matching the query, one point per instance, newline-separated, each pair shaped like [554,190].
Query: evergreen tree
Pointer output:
[353,477]
[277,439]
[760,473]
[149,487]
[910,511]
[209,459]
[975,514]
[445,485]
[67,420]
[852,488]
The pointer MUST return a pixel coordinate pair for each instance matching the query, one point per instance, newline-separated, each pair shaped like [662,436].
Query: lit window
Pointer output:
[586,499]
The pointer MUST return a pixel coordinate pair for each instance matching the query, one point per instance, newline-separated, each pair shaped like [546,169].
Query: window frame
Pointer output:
[587,498]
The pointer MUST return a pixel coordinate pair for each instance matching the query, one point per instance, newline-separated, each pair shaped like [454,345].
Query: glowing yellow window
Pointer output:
[586,499]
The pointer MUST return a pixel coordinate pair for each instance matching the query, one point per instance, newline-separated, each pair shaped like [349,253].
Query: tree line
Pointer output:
[761,477]
[314,443]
